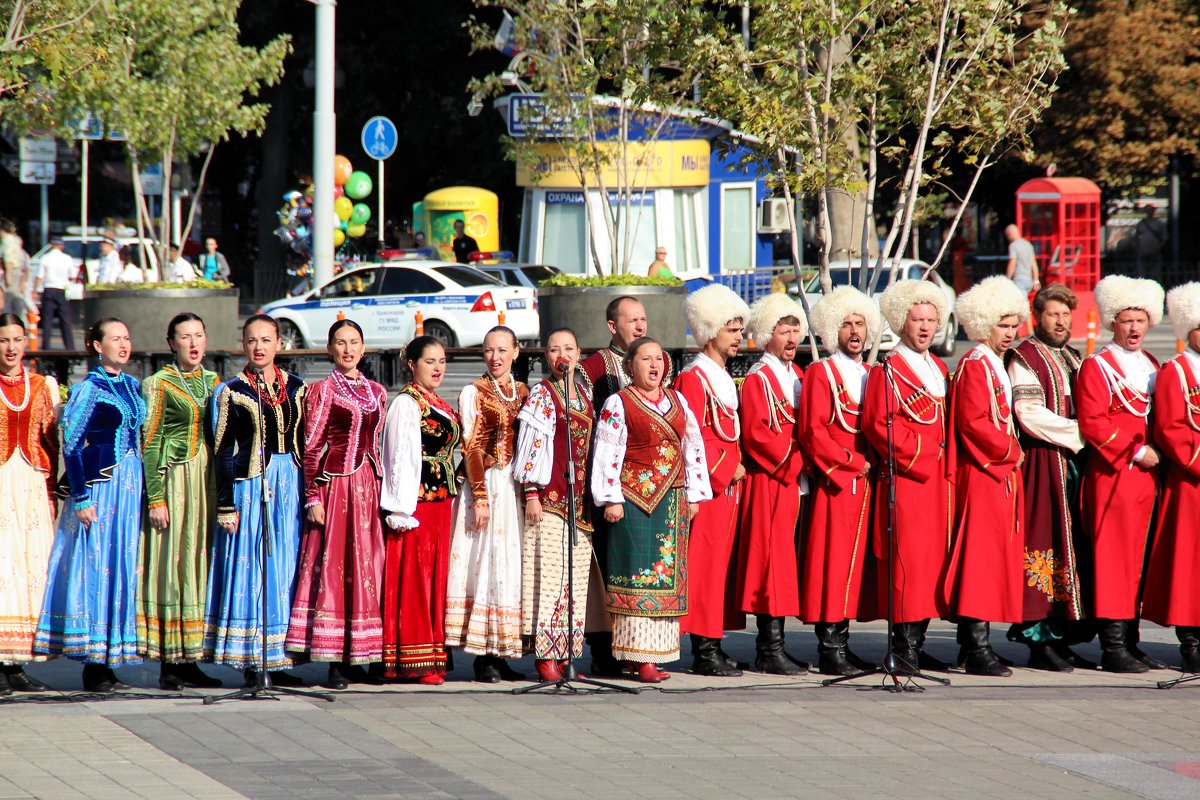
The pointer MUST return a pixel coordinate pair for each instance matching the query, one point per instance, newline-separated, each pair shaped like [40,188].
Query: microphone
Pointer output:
[561,365]
[253,370]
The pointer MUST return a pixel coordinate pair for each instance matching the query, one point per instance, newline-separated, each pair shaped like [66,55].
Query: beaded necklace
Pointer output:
[205,393]
[25,400]
[437,402]
[263,387]
[130,407]
[512,384]
[345,387]
[646,398]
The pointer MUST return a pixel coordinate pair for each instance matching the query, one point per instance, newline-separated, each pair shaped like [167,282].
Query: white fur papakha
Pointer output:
[832,309]
[768,310]
[1116,293]
[1183,304]
[901,296]
[980,308]
[708,309]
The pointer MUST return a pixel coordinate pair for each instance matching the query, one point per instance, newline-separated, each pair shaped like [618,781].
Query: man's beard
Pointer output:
[1053,339]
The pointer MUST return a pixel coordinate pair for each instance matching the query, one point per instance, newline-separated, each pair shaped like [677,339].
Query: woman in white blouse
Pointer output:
[648,473]
[419,484]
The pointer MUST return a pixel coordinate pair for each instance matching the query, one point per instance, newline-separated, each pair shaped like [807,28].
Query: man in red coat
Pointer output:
[716,316]
[909,389]
[835,532]
[987,559]
[1113,400]
[1171,597]
[766,579]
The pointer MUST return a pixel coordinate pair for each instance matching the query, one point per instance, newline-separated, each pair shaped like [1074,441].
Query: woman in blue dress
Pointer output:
[89,613]
[234,609]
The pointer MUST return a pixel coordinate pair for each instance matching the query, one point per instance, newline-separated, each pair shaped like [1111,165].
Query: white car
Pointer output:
[459,305]
[842,273]
[73,246]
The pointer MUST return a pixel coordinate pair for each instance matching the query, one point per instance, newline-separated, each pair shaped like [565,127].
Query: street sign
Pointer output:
[379,138]
[151,176]
[37,148]
[37,172]
[529,116]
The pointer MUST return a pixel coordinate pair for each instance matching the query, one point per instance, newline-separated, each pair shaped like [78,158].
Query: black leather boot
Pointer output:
[5,687]
[706,659]
[844,637]
[831,650]
[95,679]
[1133,636]
[1189,648]
[195,677]
[769,657]
[603,663]
[168,678]
[18,681]
[1115,655]
[979,659]
[1042,655]
[924,660]
[337,676]
[904,648]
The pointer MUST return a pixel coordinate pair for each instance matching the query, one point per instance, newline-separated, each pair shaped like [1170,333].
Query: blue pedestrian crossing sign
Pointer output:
[379,138]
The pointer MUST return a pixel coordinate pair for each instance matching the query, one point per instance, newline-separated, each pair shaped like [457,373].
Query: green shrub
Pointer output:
[199,283]
[562,279]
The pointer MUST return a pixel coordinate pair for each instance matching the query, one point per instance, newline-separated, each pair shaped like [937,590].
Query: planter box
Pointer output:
[146,312]
[581,308]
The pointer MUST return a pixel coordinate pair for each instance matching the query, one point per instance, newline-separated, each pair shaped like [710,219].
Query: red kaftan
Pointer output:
[1117,495]
[987,560]
[1170,596]
[924,502]
[712,606]
[834,544]
[767,582]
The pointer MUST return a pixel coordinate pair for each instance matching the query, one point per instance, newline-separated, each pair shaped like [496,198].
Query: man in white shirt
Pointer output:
[55,271]
[180,270]
[109,269]
[1042,370]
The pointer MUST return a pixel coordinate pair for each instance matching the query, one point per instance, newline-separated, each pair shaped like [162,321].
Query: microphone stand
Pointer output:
[891,667]
[569,674]
[264,689]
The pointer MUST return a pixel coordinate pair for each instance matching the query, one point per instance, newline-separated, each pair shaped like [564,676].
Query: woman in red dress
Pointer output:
[419,485]
[336,614]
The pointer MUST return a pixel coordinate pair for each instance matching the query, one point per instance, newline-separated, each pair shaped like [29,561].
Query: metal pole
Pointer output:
[1173,183]
[45,218]
[324,145]
[382,216]
[83,192]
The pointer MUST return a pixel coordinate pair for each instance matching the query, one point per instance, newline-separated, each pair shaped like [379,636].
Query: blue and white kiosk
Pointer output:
[694,198]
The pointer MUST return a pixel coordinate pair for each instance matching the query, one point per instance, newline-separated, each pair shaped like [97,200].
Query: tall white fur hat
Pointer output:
[1116,293]
[1183,304]
[832,309]
[769,309]
[901,296]
[982,306]
[708,309]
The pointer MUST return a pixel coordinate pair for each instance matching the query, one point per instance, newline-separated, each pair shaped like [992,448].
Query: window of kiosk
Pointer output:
[564,236]
[686,256]
[737,227]
[643,231]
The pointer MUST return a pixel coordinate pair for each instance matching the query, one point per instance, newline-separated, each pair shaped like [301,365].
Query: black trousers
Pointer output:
[55,304]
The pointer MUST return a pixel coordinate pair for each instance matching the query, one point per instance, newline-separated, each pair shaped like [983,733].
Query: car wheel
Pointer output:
[441,331]
[289,336]
[947,348]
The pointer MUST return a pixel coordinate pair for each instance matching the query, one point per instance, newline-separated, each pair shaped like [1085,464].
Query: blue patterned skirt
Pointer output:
[89,612]
[235,603]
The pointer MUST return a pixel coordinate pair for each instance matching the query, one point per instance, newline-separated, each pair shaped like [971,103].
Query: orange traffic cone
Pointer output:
[1091,332]
[32,333]
[500,319]
[419,324]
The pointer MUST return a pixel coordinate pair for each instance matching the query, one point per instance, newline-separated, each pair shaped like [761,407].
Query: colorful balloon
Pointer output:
[359,185]
[342,170]
[343,207]
[361,215]
[356,231]
[339,237]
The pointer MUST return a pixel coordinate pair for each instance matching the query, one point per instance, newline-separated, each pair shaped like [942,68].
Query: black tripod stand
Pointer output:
[263,689]
[569,676]
[902,673]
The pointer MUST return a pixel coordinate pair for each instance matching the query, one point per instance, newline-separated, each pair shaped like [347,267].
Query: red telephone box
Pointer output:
[1061,219]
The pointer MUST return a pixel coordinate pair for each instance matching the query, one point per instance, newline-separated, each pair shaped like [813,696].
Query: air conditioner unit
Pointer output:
[772,216]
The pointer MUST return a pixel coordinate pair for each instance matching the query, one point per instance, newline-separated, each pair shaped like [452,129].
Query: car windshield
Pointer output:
[841,276]
[74,248]
[465,276]
[539,272]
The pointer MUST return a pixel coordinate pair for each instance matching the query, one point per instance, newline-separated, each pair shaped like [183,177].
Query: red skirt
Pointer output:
[414,593]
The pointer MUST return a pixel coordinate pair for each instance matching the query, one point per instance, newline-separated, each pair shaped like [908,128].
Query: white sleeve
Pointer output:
[468,410]
[695,465]
[1029,404]
[608,453]
[401,453]
[534,461]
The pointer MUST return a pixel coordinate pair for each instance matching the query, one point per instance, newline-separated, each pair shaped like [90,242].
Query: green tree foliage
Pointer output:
[43,46]
[1131,100]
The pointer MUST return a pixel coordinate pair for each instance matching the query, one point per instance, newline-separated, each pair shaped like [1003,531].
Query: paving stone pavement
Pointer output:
[1035,735]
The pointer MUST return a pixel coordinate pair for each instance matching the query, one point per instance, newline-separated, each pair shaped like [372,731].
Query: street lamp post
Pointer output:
[324,145]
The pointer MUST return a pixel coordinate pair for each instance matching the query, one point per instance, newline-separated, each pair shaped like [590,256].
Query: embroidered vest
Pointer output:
[439,437]
[653,451]
[554,495]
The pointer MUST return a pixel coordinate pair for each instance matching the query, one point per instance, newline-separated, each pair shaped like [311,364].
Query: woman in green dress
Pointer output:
[176,450]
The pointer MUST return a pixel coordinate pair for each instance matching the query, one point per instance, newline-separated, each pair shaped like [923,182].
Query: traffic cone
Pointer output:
[419,324]
[32,333]
[1180,344]
[500,319]
[341,315]
[1091,332]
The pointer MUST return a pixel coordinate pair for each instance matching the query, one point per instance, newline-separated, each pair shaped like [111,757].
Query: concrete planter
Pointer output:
[147,311]
[581,308]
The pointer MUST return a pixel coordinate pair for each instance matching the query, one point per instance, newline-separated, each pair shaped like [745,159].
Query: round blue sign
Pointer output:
[379,138]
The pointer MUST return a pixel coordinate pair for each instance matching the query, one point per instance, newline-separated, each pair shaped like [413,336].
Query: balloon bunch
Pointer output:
[295,216]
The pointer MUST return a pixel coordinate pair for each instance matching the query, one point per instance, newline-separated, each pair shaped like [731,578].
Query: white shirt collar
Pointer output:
[927,371]
[998,368]
[854,374]
[787,377]
[1138,368]
[722,381]
[1193,357]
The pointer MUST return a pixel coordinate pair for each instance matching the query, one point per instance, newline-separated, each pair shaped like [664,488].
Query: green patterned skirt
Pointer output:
[647,560]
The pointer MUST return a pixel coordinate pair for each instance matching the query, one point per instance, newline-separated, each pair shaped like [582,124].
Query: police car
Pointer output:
[458,305]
